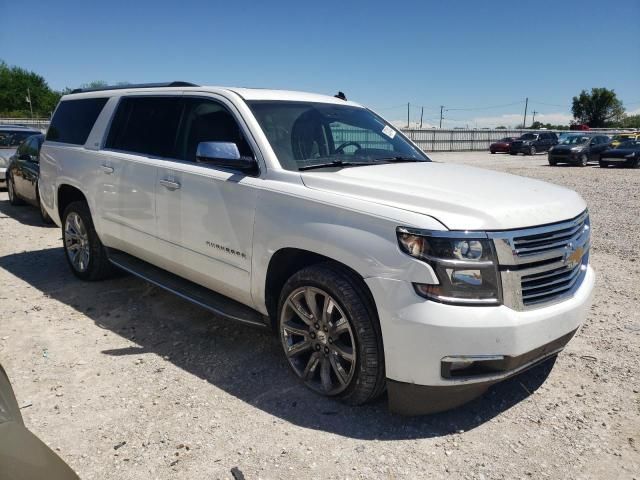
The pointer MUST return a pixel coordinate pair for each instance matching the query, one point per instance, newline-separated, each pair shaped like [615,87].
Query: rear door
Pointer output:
[205,214]
[143,133]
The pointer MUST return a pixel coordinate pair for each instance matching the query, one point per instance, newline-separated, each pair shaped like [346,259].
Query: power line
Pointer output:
[486,108]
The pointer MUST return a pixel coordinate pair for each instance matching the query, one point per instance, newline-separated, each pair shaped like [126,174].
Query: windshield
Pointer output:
[574,140]
[12,138]
[305,134]
[507,139]
[529,136]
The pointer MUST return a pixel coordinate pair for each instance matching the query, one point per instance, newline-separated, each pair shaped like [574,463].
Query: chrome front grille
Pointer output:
[543,265]
[545,286]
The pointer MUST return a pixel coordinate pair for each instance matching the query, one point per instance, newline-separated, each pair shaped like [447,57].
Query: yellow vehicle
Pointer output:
[623,137]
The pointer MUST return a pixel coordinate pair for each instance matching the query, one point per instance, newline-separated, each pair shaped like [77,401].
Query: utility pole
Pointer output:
[29,102]
[533,120]
[441,108]
[408,107]
[421,114]
[526,104]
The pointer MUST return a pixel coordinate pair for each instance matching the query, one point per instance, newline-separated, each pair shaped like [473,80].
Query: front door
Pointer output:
[205,214]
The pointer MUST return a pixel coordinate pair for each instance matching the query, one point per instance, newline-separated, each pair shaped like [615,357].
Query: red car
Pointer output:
[502,145]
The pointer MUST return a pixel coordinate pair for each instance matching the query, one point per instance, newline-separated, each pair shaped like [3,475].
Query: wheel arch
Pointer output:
[287,261]
[65,195]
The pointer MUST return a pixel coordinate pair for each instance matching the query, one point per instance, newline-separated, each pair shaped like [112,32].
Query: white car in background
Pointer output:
[312,215]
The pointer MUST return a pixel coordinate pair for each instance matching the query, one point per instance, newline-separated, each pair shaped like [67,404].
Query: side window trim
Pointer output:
[240,121]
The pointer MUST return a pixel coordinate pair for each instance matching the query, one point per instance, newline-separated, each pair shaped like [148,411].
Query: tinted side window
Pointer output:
[74,120]
[146,125]
[208,121]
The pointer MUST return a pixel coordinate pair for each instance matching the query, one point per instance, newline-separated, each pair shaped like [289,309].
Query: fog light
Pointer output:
[470,365]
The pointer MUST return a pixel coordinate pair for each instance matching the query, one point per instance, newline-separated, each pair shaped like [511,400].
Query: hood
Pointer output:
[620,152]
[460,197]
[569,147]
[6,153]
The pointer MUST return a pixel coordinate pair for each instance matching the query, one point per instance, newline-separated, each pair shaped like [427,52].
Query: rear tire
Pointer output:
[493,152]
[583,161]
[330,334]
[512,153]
[532,150]
[84,251]
[552,163]
[11,190]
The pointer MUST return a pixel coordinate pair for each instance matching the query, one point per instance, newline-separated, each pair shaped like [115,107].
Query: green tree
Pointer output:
[598,109]
[15,82]
[631,121]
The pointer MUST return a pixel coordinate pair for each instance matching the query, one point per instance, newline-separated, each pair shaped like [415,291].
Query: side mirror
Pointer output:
[223,154]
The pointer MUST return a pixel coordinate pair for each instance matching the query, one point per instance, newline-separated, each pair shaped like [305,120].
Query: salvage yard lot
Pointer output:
[124,380]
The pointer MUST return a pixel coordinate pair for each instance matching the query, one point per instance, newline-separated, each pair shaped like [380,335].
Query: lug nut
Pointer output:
[330,340]
[317,347]
[325,328]
[326,350]
[316,326]
[313,335]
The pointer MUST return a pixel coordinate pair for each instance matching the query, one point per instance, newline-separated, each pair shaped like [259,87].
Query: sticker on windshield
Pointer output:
[388,131]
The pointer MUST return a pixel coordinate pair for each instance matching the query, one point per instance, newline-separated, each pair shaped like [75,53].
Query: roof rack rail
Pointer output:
[138,85]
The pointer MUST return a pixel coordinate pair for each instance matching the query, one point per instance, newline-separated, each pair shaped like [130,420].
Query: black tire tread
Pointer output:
[350,291]
[99,265]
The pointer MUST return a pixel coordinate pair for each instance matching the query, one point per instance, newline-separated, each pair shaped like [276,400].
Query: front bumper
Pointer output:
[417,334]
[3,177]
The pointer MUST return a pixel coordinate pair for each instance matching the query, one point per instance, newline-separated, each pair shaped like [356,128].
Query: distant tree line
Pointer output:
[598,108]
[18,86]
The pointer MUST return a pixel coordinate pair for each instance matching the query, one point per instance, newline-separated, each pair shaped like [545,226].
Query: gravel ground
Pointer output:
[124,380]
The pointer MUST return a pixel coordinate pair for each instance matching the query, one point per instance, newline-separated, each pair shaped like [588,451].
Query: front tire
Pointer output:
[330,334]
[583,160]
[532,150]
[84,251]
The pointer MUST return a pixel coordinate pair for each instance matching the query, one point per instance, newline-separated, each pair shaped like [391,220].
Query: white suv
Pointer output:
[312,215]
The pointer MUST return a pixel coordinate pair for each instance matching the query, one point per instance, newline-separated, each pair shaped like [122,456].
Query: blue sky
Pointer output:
[461,54]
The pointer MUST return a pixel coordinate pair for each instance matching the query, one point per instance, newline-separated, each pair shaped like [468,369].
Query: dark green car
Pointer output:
[22,455]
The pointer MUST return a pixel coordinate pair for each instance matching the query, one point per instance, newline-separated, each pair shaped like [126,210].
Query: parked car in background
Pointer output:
[23,173]
[623,137]
[578,149]
[503,145]
[23,456]
[626,154]
[10,137]
[532,143]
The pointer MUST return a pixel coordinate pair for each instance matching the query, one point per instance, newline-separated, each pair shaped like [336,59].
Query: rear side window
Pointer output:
[147,125]
[74,120]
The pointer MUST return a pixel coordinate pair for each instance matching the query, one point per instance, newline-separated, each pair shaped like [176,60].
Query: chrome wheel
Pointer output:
[76,241]
[318,340]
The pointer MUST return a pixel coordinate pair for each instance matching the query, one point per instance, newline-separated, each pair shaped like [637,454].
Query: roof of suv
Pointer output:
[250,94]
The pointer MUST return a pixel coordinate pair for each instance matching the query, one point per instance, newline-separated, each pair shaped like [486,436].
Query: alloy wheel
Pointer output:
[76,240]
[318,340]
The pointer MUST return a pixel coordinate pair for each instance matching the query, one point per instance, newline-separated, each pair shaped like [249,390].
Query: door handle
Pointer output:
[170,184]
[107,169]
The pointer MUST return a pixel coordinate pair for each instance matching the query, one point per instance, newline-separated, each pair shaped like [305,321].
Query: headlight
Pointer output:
[466,266]
[3,162]
[576,149]
[631,155]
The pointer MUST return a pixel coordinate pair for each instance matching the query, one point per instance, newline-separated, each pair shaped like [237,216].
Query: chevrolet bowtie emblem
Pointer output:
[573,256]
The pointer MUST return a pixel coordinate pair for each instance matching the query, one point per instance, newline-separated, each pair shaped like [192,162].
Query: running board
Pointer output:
[192,292]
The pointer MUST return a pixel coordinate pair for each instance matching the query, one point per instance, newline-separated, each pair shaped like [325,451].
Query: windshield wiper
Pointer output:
[335,163]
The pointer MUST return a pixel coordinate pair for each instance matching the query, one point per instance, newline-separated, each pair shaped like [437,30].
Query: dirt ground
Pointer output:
[126,381]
